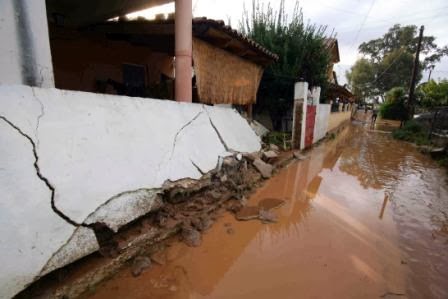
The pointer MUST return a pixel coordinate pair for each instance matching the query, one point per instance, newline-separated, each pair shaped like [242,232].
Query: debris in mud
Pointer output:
[190,207]
[202,223]
[139,264]
[274,147]
[159,257]
[234,205]
[215,194]
[267,216]
[392,294]
[270,203]
[190,236]
[248,213]
[270,155]
[255,212]
[252,156]
[230,231]
[299,156]
[264,168]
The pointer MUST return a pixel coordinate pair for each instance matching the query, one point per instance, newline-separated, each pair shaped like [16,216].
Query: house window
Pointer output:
[134,79]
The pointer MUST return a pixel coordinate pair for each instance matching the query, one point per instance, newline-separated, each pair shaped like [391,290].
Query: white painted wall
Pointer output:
[25,54]
[105,156]
[321,125]
[301,95]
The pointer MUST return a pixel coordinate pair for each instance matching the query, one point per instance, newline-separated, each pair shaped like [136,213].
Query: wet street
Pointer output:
[365,217]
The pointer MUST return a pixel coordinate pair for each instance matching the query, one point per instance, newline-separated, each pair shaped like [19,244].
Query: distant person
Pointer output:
[366,109]
[374,116]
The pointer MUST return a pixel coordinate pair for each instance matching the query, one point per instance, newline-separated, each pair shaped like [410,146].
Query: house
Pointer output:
[339,96]
[137,58]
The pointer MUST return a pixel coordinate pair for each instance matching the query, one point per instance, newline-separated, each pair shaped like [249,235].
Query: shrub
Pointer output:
[278,138]
[393,110]
[412,132]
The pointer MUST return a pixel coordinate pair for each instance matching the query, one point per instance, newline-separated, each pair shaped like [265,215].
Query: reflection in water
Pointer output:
[364,216]
[383,207]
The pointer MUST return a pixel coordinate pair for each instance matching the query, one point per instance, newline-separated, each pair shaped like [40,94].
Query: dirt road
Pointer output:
[365,217]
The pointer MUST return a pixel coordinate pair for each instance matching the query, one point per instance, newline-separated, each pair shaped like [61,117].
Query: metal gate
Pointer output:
[309,127]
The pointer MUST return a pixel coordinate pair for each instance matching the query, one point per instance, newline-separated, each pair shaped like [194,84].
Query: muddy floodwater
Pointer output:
[364,216]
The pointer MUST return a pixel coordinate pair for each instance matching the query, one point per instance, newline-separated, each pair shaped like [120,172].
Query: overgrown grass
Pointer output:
[416,133]
[412,132]
[278,138]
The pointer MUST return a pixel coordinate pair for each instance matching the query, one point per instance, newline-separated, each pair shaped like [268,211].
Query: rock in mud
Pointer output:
[270,203]
[263,168]
[159,257]
[202,223]
[248,213]
[274,147]
[252,156]
[191,237]
[233,206]
[267,216]
[230,231]
[270,155]
[223,178]
[215,194]
[139,264]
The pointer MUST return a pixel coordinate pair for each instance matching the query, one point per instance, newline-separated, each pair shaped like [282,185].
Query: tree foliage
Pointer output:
[391,59]
[362,71]
[432,94]
[300,46]
[395,104]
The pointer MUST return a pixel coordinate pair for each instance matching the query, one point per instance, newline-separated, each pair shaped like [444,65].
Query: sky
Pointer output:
[353,21]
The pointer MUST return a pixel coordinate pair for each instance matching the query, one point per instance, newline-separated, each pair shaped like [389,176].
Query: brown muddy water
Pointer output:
[365,217]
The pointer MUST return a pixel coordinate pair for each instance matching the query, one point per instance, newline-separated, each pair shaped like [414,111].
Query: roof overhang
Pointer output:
[159,35]
[79,13]
[340,91]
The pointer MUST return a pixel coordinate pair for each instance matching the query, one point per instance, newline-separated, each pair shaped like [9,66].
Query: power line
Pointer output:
[382,25]
[362,24]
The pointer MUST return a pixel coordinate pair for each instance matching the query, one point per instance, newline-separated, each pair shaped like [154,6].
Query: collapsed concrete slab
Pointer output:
[104,157]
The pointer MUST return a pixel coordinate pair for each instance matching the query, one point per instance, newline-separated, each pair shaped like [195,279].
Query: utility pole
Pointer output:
[414,75]
[431,68]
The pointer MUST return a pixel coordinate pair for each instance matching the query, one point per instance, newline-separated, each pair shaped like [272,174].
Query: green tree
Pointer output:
[395,105]
[302,53]
[432,94]
[391,58]
[360,75]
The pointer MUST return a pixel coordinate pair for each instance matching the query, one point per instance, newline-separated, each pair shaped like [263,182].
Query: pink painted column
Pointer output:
[183,49]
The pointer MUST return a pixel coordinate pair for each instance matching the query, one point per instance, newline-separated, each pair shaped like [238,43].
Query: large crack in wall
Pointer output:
[100,229]
[39,174]
[217,132]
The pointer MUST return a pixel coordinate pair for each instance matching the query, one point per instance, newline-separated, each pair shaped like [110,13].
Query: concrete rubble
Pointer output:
[270,155]
[264,168]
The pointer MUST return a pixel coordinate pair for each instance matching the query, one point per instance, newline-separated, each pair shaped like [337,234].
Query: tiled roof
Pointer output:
[220,25]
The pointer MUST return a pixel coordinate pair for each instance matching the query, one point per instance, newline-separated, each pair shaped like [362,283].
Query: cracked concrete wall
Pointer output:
[105,157]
